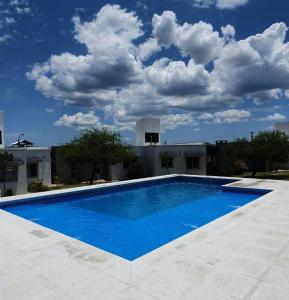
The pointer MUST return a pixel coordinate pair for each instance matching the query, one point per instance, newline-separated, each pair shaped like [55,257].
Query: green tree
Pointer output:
[266,150]
[136,170]
[270,148]
[5,160]
[101,148]
[72,155]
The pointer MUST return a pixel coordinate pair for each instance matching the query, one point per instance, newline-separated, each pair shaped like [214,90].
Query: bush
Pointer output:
[8,192]
[135,171]
[35,187]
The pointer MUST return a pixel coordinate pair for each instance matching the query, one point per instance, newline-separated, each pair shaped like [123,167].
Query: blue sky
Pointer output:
[211,69]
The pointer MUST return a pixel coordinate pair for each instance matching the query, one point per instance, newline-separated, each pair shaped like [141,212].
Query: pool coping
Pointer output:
[133,276]
[42,195]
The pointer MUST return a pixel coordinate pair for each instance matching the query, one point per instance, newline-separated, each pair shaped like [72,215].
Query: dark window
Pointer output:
[151,137]
[167,162]
[0,137]
[196,163]
[11,174]
[189,163]
[32,170]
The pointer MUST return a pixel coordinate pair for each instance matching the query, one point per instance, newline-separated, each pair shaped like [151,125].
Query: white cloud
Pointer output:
[175,78]
[173,121]
[199,40]
[11,12]
[5,38]
[110,64]
[275,117]
[220,4]
[111,76]
[148,48]
[79,120]
[228,32]
[256,65]
[226,116]
[49,110]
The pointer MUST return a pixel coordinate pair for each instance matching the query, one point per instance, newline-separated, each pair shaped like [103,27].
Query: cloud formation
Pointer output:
[11,11]
[213,72]
[226,116]
[276,117]
[220,4]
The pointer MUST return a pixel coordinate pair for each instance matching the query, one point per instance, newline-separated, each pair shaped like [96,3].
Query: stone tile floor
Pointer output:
[243,255]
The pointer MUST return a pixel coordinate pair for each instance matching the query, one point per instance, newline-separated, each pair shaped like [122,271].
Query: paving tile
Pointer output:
[98,287]
[267,291]
[231,283]
[205,292]
[165,285]
[132,293]
[279,273]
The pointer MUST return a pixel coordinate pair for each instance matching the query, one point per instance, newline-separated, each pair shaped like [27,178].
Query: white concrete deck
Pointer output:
[243,255]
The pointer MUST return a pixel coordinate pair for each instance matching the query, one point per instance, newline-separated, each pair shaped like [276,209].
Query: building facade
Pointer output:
[157,160]
[31,164]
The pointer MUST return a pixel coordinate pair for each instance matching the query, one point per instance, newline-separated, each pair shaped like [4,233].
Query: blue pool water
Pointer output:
[134,220]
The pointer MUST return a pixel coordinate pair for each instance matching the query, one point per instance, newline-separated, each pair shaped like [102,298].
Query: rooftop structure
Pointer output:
[148,131]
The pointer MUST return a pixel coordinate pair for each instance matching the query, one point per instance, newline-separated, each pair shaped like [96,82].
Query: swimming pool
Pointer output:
[130,220]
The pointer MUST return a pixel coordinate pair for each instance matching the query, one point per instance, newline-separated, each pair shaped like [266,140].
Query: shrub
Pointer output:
[35,187]
[135,171]
[8,192]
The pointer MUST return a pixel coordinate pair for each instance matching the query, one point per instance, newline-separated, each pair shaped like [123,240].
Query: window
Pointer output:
[189,163]
[10,175]
[196,163]
[151,137]
[167,162]
[32,170]
[0,137]
[193,163]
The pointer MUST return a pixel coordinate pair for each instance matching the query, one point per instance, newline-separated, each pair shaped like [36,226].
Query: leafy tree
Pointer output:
[136,170]
[270,148]
[100,148]
[266,150]
[5,159]
[72,154]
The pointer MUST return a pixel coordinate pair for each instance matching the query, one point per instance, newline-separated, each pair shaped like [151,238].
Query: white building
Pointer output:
[148,131]
[30,164]
[187,158]
[282,126]
[2,143]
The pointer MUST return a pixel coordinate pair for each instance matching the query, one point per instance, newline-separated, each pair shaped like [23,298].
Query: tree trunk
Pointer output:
[92,175]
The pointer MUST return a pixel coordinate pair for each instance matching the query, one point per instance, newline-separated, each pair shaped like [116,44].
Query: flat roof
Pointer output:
[25,148]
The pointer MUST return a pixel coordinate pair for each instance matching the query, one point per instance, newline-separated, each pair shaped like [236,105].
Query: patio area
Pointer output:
[242,255]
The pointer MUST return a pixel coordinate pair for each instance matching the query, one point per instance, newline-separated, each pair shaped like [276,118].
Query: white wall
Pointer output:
[2,145]
[23,156]
[151,159]
[146,125]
